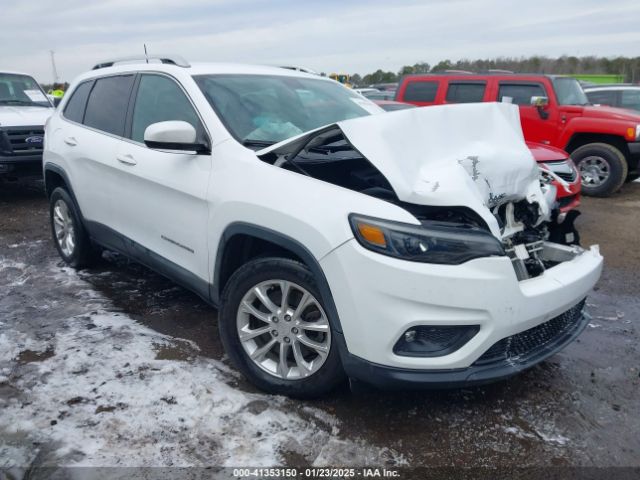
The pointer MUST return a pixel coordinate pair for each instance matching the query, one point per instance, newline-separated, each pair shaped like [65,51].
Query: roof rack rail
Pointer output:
[176,60]
[457,72]
[499,71]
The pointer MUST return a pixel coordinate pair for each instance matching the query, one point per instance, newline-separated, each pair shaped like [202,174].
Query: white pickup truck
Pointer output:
[24,109]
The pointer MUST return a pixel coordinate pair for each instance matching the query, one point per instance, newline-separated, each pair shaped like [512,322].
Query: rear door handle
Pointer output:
[71,141]
[126,159]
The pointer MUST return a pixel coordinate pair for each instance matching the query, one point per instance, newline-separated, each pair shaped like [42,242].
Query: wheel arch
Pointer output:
[54,177]
[577,140]
[242,242]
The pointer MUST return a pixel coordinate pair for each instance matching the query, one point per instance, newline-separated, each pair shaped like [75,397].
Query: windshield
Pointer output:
[21,90]
[569,91]
[265,109]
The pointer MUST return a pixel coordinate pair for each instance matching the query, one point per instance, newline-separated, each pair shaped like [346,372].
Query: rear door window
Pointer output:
[421,91]
[74,110]
[520,93]
[465,92]
[107,104]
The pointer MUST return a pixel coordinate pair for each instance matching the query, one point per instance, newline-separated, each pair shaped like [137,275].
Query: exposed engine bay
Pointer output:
[521,211]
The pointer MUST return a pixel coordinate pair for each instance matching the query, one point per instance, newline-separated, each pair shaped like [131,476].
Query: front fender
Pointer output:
[590,126]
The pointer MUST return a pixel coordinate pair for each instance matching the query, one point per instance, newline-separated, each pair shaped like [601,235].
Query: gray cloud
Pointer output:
[329,35]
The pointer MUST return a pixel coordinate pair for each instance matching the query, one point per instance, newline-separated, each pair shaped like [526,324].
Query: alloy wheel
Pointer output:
[283,329]
[64,228]
[594,170]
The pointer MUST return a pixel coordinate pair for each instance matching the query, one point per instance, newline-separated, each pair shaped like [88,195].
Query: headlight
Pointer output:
[637,133]
[433,242]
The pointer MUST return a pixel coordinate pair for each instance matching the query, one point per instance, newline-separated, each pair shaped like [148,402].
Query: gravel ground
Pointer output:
[117,366]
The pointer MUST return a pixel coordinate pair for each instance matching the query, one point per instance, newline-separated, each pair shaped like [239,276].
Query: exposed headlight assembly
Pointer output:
[432,242]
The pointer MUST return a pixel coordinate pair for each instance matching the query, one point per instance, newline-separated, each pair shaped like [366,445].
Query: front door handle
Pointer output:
[71,141]
[126,159]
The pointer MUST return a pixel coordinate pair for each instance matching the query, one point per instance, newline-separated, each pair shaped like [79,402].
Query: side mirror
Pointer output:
[174,135]
[541,103]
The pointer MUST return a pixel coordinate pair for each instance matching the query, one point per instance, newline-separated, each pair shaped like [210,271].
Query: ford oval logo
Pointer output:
[33,139]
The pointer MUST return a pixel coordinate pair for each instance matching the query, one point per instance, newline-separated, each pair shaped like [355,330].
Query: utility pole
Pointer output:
[53,66]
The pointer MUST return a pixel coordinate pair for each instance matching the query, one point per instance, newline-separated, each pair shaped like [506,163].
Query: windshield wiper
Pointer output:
[247,142]
[20,102]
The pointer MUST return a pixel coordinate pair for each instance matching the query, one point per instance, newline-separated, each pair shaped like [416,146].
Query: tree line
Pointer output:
[628,67]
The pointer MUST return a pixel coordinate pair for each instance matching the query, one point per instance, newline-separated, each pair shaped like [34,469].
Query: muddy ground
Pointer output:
[580,407]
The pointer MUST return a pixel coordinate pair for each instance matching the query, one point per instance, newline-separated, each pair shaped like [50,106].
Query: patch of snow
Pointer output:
[103,399]
[518,432]
[552,437]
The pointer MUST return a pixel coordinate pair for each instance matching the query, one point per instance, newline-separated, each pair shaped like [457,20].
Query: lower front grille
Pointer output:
[20,141]
[524,345]
[567,177]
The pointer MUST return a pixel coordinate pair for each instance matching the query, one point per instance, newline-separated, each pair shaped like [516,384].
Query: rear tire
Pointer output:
[69,235]
[302,361]
[603,168]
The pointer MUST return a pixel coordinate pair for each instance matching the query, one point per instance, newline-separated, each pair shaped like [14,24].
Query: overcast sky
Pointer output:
[328,35]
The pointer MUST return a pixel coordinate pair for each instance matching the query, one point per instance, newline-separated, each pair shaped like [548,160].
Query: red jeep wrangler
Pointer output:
[603,142]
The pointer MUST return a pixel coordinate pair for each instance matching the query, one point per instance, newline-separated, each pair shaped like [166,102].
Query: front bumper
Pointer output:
[378,298]
[569,198]
[21,165]
[634,151]
[496,367]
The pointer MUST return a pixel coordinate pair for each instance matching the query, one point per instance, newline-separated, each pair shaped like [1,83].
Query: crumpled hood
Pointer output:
[22,116]
[448,155]
[471,155]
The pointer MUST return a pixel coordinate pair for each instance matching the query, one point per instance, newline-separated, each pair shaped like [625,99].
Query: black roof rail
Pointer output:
[176,60]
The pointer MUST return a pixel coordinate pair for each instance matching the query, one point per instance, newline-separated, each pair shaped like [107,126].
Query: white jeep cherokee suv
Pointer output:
[419,247]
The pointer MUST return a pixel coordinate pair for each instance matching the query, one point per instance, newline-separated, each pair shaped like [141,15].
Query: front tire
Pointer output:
[603,168]
[275,329]
[69,235]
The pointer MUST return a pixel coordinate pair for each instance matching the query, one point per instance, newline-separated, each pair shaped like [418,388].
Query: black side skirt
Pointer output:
[112,240]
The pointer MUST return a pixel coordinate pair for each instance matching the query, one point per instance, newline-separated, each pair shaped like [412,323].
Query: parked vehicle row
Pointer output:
[603,142]
[417,247]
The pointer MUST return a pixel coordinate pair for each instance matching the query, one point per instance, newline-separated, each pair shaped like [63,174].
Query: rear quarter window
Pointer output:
[107,104]
[420,91]
[74,110]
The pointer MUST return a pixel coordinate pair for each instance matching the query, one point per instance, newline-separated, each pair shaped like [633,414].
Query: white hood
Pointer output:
[471,155]
[20,116]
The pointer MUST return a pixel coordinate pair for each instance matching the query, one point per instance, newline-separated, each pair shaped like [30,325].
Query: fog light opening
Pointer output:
[434,341]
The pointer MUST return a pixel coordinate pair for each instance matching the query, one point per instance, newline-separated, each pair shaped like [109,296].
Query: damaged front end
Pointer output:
[534,246]
[463,171]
